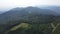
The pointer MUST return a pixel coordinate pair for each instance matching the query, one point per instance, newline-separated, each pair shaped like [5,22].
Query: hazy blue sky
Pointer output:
[13,3]
[5,4]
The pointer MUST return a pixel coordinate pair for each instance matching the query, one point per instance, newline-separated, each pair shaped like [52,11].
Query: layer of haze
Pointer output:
[25,3]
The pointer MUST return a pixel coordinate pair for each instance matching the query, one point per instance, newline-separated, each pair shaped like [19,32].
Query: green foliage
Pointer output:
[30,20]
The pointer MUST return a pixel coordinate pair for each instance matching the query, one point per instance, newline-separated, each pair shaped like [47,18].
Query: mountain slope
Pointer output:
[53,8]
[18,13]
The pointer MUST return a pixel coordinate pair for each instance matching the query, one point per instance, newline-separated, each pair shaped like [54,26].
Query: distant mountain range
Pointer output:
[1,12]
[18,13]
[53,8]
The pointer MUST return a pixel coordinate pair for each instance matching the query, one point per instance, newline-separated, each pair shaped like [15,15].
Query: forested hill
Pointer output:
[29,20]
[22,13]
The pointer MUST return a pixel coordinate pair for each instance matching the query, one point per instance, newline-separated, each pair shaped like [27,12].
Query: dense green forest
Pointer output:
[30,20]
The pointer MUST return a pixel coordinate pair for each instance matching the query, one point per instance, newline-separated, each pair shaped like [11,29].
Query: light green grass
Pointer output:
[22,25]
